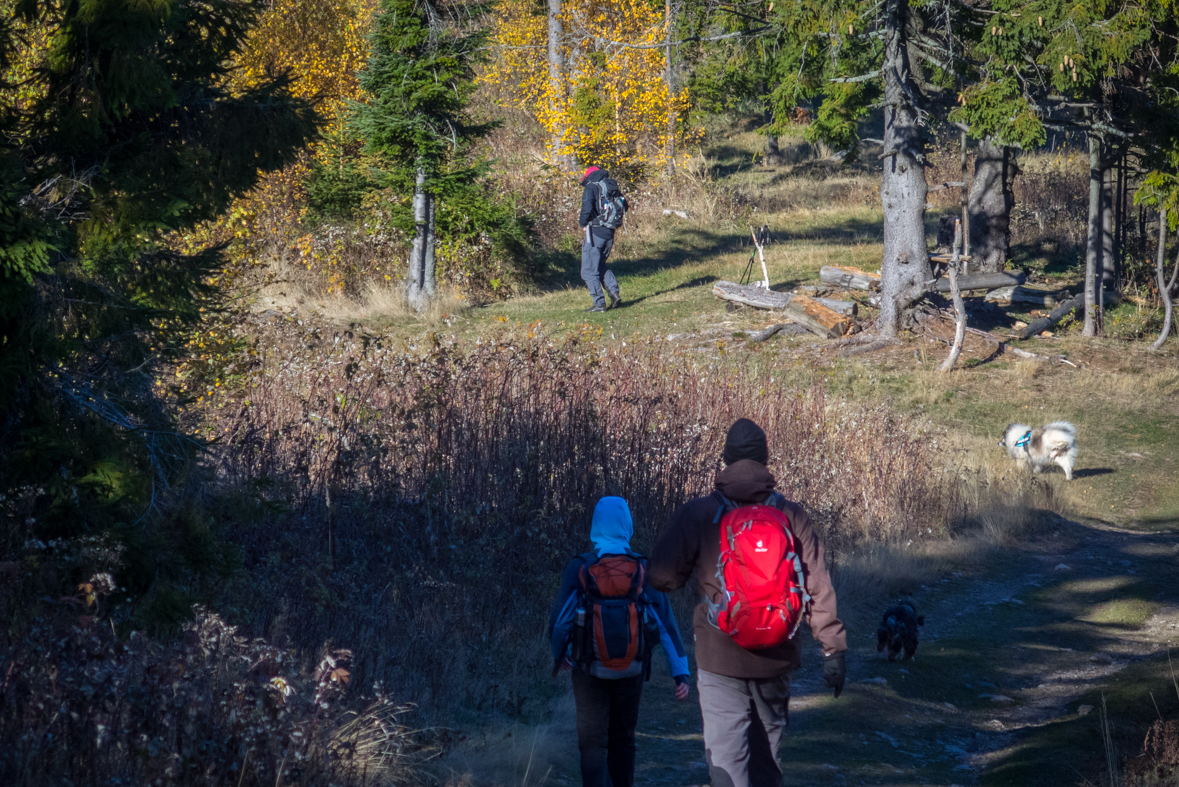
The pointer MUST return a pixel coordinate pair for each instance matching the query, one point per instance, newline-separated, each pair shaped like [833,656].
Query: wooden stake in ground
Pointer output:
[959,304]
[1164,287]
[759,239]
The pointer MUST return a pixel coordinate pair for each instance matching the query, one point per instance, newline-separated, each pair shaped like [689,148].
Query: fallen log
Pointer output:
[982,281]
[1058,314]
[751,295]
[830,322]
[1017,294]
[849,278]
[781,327]
[816,317]
[759,297]
[1021,353]
[998,341]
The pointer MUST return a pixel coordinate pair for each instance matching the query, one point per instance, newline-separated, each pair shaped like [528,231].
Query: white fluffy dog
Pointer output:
[1036,448]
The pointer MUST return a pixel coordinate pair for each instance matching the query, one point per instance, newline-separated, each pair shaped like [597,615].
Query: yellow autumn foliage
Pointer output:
[611,105]
[319,45]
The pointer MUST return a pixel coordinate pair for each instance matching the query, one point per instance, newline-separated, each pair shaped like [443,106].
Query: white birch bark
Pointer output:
[415,281]
[557,68]
[1164,286]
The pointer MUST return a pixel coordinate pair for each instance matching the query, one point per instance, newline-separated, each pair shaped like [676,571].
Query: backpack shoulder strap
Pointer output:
[726,505]
[587,559]
[777,500]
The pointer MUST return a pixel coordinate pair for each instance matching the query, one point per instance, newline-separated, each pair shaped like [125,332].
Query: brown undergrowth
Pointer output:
[433,492]
[81,705]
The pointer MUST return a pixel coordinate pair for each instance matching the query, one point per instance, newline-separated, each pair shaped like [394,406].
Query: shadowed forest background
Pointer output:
[300,416]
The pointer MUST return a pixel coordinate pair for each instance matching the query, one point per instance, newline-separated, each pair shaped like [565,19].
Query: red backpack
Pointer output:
[763,589]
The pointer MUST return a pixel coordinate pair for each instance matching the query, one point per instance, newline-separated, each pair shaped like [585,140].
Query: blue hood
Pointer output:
[612,527]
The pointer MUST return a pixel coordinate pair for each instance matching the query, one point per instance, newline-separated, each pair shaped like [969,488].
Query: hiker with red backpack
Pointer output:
[604,625]
[602,210]
[760,567]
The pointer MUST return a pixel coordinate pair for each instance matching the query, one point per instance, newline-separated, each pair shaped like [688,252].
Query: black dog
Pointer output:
[898,630]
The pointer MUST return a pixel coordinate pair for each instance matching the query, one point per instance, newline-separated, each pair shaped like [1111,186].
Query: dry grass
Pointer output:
[512,754]
[417,475]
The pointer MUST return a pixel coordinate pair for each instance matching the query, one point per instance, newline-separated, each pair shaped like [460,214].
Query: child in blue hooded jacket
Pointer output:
[620,618]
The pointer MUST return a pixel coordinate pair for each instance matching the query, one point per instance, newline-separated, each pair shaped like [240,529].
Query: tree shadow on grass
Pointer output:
[1093,472]
[560,269]
[696,282]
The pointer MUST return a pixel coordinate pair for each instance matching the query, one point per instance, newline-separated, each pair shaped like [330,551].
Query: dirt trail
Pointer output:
[1009,652]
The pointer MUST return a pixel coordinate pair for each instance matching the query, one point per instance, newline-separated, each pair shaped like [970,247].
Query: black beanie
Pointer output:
[746,440]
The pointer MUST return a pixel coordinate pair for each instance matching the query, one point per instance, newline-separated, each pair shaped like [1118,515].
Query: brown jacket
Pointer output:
[691,543]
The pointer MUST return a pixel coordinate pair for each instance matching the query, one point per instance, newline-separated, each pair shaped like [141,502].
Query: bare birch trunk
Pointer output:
[905,266]
[429,265]
[415,281]
[991,199]
[1093,247]
[966,187]
[1164,286]
[959,305]
[557,78]
[667,76]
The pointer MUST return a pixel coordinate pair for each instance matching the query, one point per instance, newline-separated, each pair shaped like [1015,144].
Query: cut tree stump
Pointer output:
[982,281]
[849,278]
[816,317]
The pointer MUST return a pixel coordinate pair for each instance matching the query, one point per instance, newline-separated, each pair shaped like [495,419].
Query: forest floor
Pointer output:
[1021,636]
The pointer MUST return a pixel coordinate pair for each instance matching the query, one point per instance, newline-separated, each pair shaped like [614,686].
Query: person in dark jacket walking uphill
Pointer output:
[610,656]
[744,694]
[596,244]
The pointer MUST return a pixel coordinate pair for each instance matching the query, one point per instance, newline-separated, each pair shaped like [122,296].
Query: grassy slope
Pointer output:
[1123,400]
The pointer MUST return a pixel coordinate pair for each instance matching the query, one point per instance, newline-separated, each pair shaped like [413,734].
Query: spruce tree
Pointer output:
[414,120]
[114,138]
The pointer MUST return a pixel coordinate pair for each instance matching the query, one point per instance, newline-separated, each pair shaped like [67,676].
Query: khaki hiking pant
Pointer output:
[743,723]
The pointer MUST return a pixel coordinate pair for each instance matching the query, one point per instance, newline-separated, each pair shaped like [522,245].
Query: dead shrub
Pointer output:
[80,705]
[438,489]
[1158,765]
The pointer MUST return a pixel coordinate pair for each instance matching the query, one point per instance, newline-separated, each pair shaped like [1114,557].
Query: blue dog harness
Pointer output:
[1023,441]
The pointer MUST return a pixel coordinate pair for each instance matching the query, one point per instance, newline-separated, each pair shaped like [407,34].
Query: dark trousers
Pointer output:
[607,713]
[595,250]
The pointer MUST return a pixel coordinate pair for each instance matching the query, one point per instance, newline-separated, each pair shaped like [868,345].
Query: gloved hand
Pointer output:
[835,671]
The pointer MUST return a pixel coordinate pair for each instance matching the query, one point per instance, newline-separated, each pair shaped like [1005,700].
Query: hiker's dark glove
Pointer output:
[835,671]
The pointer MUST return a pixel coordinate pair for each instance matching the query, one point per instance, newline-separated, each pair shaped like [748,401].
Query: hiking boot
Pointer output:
[595,309]
[615,300]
